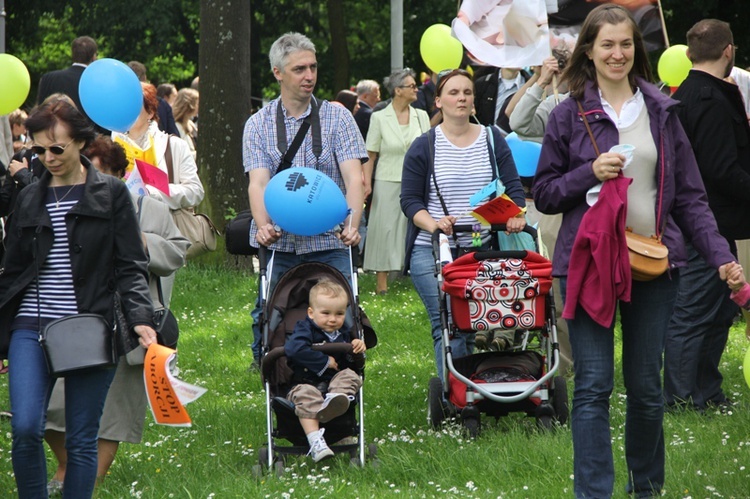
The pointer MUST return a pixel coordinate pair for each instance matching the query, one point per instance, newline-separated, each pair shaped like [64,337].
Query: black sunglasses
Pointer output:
[56,150]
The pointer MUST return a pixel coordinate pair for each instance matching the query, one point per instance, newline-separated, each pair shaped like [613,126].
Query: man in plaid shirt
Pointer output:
[341,156]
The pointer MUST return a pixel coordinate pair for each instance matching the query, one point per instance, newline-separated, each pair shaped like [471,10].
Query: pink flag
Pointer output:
[151,175]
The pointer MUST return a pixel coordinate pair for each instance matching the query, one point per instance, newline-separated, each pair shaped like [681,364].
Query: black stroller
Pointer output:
[279,313]
[500,291]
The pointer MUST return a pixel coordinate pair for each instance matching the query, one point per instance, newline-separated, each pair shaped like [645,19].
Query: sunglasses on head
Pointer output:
[447,74]
[56,150]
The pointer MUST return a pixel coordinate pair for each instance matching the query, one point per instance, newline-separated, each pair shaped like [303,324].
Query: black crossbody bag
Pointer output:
[75,343]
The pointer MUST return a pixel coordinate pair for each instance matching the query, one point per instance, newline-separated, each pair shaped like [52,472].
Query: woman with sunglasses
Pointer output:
[24,169]
[125,407]
[442,170]
[659,193]
[74,241]
[391,132]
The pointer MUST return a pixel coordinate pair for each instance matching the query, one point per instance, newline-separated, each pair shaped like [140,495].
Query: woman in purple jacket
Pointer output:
[608,75]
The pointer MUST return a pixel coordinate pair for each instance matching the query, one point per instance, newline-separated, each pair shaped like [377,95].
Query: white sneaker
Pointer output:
[318,448]
[333,406]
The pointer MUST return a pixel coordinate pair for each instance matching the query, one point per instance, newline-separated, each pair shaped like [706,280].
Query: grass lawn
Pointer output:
[707,455]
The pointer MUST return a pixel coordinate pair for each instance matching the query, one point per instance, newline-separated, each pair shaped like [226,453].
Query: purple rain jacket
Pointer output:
[564,174]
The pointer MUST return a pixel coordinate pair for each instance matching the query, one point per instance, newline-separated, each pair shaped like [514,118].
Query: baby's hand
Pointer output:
[332,364]
[735,276]
[358,346]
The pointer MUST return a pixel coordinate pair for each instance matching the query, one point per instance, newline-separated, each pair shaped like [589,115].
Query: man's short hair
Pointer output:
[328,288]
[285,45]
[366,87]
[165,90]
[707,39]
[139,69]
[83,49]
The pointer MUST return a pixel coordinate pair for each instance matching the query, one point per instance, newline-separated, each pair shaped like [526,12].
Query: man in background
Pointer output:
[368,94]
[713,115]
[65,81]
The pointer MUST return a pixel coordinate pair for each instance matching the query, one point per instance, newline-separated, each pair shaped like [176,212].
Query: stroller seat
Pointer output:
[287,305]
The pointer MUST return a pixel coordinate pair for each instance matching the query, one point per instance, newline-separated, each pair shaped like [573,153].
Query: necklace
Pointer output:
[57,201]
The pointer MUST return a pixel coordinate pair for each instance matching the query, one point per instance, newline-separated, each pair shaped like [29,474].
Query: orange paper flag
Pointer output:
[167,395]
[496,211]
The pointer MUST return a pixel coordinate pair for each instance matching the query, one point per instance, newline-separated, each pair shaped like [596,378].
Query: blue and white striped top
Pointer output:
[56,293]
[460,172]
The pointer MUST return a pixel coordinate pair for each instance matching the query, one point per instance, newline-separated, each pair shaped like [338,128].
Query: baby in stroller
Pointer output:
[316,373]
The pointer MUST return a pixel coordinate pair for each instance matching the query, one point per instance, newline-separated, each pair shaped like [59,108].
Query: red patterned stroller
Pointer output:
[491,291]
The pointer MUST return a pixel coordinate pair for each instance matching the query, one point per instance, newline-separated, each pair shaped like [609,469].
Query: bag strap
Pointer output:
[493,158]
[168,159]
[431,147]
[286,160]
[312,120]
[588,128]
[139,206]
[596,149]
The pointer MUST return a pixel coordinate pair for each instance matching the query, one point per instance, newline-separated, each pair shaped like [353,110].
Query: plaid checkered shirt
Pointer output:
[341,141]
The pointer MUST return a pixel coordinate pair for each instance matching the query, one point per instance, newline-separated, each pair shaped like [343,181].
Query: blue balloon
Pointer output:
[525,155]
[111,94]
[304,201]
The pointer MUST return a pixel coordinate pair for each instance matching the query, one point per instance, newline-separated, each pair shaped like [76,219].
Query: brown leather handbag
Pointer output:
[649,258]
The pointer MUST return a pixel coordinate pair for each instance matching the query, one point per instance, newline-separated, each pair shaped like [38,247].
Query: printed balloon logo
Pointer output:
[296,182]
[304,201]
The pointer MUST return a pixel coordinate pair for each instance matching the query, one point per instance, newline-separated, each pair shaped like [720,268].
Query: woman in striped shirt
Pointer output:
[442,170]
[74,241]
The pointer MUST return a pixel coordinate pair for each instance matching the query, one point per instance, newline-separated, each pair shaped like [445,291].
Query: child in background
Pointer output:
[316,373]
[740,289]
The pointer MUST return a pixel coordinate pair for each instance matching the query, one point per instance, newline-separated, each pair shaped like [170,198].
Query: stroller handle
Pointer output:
[262,258]
[493,228]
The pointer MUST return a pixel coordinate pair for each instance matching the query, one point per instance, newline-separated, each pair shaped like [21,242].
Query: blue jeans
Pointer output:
[338,259]
[424,276]
[697,335]
[644,323]
[30,385]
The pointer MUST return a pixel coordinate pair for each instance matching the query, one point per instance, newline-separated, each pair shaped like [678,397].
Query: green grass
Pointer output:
[707,456]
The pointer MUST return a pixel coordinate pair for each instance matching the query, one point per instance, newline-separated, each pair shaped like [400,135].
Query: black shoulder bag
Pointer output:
[77,342]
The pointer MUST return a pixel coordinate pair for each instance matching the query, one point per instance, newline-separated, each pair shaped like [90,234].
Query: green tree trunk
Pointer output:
[224,63]
[339,45]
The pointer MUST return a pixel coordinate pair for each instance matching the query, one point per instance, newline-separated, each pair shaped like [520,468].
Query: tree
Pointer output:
[163,36]
[225,105]
[338,44]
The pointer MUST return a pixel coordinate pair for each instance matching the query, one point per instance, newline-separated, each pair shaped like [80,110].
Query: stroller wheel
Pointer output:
[263,457]
[470,416]
[545,414]
[545,422]
[355,462]
[436,406]
[279,468]
[560,399]
[372,450]
[472,427]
